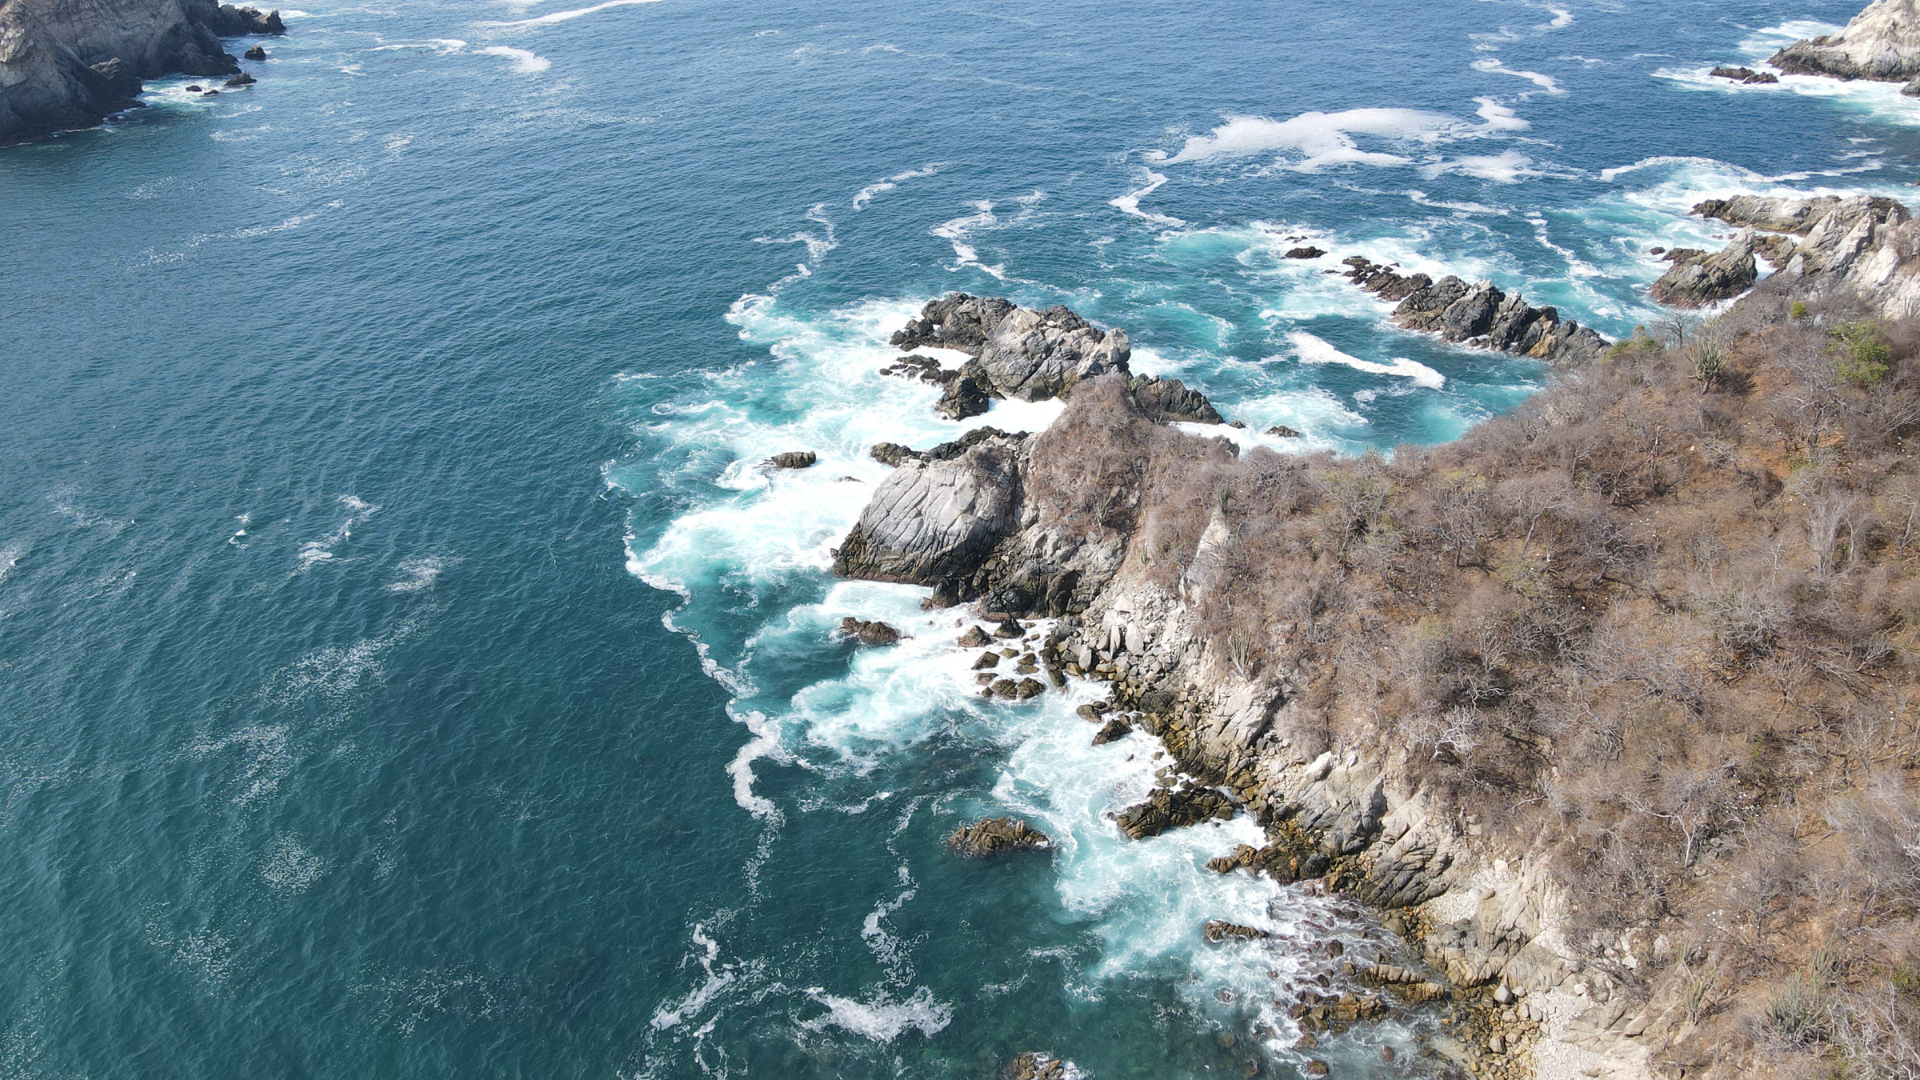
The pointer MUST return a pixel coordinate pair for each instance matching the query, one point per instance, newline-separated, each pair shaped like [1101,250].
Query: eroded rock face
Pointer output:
[937,518]
[1698,279]
[997,836]
[1170,399]
[956,321]
[68,63]
[1882,42]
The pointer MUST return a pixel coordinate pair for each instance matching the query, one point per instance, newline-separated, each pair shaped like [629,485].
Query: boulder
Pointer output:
[868,633]
[792,459]
[1305,253]
[242,79]
[997,836]
[1115,729]
[255,53]
[975,638]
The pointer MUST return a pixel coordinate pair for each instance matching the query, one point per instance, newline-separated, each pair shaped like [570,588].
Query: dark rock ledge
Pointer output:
[1477,314]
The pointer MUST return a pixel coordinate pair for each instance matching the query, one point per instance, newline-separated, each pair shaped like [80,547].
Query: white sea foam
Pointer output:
[881,1018]
[524,60]
[1129,202]
[1506,167]
[563,16]
[960,230]
[1562,18]
[670,1016]
[1312,350]
[1314,140]
[421,574]
[1495,67]
[866,194]
[318,551]
[291,867]
[10,557]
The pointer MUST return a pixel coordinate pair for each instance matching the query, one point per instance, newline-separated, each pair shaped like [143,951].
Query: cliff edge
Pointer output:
[70,63]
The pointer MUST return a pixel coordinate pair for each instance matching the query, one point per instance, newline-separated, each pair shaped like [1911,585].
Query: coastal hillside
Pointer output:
[67,63]
[1608,706]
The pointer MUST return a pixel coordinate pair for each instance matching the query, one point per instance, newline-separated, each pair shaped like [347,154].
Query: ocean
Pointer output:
[407,668]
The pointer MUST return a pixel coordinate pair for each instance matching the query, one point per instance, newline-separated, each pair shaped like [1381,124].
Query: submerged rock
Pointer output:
[794,459]
[869,633]
[996,836]
[1037,1066]
[1219,930]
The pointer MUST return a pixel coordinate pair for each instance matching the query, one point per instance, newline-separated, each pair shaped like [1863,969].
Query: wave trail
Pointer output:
[563,16]
[1312,350]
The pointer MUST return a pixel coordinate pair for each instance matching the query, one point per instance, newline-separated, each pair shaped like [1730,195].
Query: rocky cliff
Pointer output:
[1549,699]
[1860,249]
[1882,42]
[70,63]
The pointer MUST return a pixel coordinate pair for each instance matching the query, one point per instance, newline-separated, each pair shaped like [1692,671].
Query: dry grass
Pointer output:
[1664,616]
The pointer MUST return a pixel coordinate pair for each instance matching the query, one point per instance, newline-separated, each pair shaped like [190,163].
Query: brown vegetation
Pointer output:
[1666,616]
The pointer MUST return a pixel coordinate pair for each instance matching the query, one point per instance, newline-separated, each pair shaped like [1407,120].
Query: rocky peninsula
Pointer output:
[1603,709]
[69,64]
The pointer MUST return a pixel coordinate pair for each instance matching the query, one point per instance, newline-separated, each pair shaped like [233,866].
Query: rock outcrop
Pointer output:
[1028,355]
[70,63]
[1477,314]
[1744,75]
[1882,42]
[1698,279]
[939,515]
[997,836]
[868,632]
[793,459]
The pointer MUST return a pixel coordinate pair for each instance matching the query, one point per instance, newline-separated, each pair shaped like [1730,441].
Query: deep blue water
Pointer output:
[404,670]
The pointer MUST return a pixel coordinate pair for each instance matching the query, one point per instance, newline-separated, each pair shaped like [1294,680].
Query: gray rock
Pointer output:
[868,633]
[794,459]
[1037,355]
[956,321]
[1696,281]
[937,518]
[997,836]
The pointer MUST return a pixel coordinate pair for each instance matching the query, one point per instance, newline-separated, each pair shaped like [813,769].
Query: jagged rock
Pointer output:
[869,633]
[975,638]
[1173,808]
[1219,930]
[987,661]
[1305,253]
[1696,281]
[957,321]
[1882,42]
[1744,75]
[255,53]
[1469,954]
[922,368]
[1092,712]
[1037,1066]
[1170,399]
[1028,689]
[963,397]
[996,836]
[1114,729]
[893,454]
[1789,215]
[1036,355]
[1009,628]
[242,79]
[1282,431]
[1478,313]
[794,459]
[937,518]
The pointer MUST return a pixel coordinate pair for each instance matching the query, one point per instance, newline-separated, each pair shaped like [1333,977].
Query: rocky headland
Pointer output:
[70,63]
[1882,42]
[1862,249]
[1603,710]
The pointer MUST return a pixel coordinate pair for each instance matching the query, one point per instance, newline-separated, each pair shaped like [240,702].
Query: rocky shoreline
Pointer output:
[1882,43]
[65,64]
[1068,525]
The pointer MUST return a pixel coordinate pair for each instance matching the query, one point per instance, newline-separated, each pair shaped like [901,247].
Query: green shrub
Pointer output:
[1709,360]
[1861,352]
[1797,1012]
[1798,310]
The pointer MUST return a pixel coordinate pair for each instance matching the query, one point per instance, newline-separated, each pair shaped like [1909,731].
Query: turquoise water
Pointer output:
[404,670]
